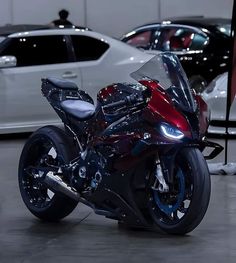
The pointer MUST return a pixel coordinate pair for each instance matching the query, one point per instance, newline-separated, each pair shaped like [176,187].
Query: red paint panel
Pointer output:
[163,109]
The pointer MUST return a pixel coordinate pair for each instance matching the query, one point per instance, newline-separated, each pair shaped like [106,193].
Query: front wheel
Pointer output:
[183,207]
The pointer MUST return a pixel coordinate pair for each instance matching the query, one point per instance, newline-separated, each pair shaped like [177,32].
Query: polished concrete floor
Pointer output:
[85,237]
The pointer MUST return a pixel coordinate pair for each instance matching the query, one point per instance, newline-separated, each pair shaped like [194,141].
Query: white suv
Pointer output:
[90,59]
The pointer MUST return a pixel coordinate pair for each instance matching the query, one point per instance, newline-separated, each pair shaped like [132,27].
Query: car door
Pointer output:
[22,105]
[103,61]
[89,53]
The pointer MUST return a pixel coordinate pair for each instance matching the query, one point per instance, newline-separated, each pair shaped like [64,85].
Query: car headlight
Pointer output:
[170,131]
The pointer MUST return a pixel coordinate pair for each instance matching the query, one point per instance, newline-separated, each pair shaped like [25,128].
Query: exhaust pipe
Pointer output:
[56,184]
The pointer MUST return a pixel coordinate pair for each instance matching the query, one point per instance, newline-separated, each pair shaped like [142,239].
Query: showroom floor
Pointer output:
[86,237]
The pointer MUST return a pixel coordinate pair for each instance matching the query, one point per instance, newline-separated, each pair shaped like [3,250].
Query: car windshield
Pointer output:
[225,29]
[166,69]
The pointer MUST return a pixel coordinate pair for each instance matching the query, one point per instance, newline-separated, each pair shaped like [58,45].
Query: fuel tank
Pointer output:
[117,91]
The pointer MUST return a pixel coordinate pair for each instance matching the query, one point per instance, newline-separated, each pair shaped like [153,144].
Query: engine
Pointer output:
[89,171]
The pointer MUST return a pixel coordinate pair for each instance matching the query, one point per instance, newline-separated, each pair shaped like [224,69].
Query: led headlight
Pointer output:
[171,132]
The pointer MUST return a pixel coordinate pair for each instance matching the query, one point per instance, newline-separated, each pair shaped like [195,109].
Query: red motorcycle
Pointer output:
[136,157]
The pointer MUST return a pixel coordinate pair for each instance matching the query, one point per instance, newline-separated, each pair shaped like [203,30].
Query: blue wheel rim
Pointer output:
[167,208]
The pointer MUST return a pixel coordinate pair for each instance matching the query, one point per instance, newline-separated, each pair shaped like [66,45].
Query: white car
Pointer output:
[90,59]
[215,96]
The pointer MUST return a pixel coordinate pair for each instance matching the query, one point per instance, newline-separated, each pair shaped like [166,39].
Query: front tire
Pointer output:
[47,146]
[182,209]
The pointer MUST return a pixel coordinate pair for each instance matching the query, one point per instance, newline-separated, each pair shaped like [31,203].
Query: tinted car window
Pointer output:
[39,50]
[225,29]
[156,39]
[88,48]
[198,42]
[179,39]
[141,39]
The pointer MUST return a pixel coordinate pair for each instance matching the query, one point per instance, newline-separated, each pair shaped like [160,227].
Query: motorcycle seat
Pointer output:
[62,83]
[80,109]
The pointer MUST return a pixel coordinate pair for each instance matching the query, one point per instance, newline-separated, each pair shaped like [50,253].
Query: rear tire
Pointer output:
[180,211]
[42,202]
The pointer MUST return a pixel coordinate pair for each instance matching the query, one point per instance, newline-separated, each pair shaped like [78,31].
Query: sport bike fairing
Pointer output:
[166,69]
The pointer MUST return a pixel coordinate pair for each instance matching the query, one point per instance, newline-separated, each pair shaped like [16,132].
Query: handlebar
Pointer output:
[129,100]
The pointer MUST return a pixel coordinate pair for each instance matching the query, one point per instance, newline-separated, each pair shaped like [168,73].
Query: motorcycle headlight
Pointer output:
[171,132]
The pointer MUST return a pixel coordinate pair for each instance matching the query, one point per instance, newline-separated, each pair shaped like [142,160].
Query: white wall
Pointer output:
[222,8]
[112,17]
[44,11]
[115,17]
[5,12]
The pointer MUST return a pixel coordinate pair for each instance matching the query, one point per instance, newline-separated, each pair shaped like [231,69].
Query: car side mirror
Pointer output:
[8,61]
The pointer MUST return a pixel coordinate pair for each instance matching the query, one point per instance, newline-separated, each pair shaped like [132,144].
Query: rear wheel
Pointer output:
[183,207]
[47,148]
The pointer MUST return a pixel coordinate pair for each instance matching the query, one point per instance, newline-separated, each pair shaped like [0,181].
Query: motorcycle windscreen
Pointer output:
[166,69]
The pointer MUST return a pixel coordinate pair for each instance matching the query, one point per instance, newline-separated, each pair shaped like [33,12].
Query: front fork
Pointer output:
[164,172]
[165,168]
[160,184]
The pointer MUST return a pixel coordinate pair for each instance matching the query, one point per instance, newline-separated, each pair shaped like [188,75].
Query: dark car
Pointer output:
[202,45]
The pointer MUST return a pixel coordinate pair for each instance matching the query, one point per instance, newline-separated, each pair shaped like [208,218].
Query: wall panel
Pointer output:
[211,8]
[44,11]
[116,17]
[5,12]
